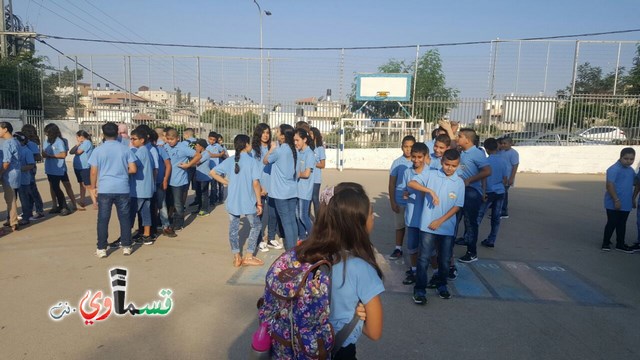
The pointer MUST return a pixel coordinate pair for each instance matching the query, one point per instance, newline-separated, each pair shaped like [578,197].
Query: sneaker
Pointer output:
[101,253]
[55,211]
[73,208]
[468,258]
[444,293]
[203,213]
[432,283]
[274,244]
[126,251]
[410,279]
[453,273]
[36,217]
[23,222]
[486,243]
[177,228]
[461,241]
[635,247]
[419,299]
[168,232]
[606,247]
[137,237]
[194,204]
[116,244]
[625,249]
[396,254]
[147,240]
[504,216]
[19,217]
[65,212]
[263,247]
[408,272]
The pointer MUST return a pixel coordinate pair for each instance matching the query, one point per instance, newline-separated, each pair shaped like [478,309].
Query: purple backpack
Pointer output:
[296,308]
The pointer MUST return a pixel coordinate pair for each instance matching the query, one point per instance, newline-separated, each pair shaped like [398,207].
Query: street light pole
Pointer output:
[261,51]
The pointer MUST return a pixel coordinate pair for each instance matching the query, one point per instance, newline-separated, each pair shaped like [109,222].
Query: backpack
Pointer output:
[296,308]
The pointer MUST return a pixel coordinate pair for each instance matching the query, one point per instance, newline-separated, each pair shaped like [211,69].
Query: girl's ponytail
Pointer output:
[239,143]
[287,131]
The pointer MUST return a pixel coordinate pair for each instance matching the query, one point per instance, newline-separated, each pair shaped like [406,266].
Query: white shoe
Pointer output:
[263,247]
[126,250]
[101,253]
[274,244]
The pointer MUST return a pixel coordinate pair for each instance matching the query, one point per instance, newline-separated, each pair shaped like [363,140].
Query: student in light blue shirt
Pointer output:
[304,168]
[619,200]
[442,143]
[216,154]
[512,159]
[190,141]
[320,155]
[54,152]
[203,179]
[494,190]
[159,211]
[182,158]
[82,151]
[444,196]
[396,173]
[142,184]
[34,144]
[282,186]
[243,179]
[27,163]
[10,172]
[111,163]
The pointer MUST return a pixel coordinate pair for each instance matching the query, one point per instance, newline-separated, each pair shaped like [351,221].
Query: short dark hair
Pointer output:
[141,133]
[626,151]
[491,144]
[110,130]
[451,154]
[470,134]
[408,138]
[6,125]
[443,138]
[420,148]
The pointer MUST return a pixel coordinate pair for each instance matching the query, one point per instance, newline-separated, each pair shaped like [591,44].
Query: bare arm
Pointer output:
[133,168]
[320,164]
[60,155]
[218,178]
[611,189]
[257,190]
[392,194]
[194,161]
[436,223]
[483,173]
[167,174]
[373,324]
[93,175]
[514,171]
[416,186]
[305,174]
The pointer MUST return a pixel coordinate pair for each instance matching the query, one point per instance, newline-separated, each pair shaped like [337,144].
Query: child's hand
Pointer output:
[435,224]
[617,204]
[183,166]
[259,210]
[436,200]
[362,313]
[395,207]
[405,195]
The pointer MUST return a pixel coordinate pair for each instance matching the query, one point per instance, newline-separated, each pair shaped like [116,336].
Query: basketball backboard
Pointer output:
[383,87]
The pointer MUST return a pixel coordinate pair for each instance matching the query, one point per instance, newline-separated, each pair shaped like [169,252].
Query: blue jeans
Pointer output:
[287,211]
[472,203]
[26,199]
[178,193]
[413,240]
[122,203]
[505,203]
[316,200]
[143,208]
[303,219]
[161,206]
[428,242]
[217,192]
[495,202]
[234,229]
[37,199]
[274,223]
[202,195]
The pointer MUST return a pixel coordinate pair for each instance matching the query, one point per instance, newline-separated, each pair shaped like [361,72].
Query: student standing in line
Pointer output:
[111,163]
[27,163]
[142,184]
[243,179]
[216,154]
[54,153]
[305,166]
[320,155]
[82,151]
[160,213]
[283,182]
[10,172]
[512,158]
[493,188]
[34,145]
[441,144]
[396,174]
[619,200]
[202,179]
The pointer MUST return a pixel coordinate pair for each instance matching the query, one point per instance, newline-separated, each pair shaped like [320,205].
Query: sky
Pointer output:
[330,23]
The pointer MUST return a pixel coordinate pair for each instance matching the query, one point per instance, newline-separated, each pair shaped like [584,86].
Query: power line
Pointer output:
[328,48]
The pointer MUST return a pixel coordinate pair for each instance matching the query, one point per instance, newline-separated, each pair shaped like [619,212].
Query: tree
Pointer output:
[631,82]
[430,84]
[590,80]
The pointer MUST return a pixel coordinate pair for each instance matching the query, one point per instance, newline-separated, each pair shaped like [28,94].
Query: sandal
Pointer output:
[252,261]
[237,260]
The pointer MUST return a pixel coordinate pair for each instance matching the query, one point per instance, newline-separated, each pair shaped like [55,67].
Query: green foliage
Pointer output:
[631,82]
[230,125]
[590,80]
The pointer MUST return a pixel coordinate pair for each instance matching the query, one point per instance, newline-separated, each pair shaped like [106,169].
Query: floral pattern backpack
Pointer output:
[296,308]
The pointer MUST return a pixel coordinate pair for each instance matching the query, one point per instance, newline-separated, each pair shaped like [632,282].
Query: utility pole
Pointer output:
[3,35]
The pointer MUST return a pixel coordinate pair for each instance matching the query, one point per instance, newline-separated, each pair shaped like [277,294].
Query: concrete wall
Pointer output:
[536,159]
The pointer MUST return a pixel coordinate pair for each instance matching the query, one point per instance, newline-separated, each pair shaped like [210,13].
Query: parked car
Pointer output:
[519,136]
[603,133]
[558,139]
[632,137]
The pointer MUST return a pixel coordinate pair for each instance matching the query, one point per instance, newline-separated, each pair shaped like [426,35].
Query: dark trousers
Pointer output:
[616,220]
[55,180]
[505,202]
[316,200]
[346,353]
[472,203]
[202,195]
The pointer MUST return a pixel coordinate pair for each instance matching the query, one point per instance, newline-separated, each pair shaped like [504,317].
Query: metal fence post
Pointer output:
[573,89]
[415,81]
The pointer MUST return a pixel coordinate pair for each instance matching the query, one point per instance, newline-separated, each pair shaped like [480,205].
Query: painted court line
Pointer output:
[502,282]
[538,285]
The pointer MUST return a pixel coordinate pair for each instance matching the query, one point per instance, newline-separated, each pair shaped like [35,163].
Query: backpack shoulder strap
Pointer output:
[343,334]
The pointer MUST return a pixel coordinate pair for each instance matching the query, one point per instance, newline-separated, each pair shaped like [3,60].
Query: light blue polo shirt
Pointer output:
[512,159]
[622,178]
[112,160]
[53,166]
[265,170]
[361,283]
[162,156]
[35,150]
[142,184]
[471,161]
[415,203]
[81,161]
[26,158]
[11,155]
[436,162]
[450,192]
[498,171]
[430,145]
[179,154]
[398,168]
[282,182]
[203,168]
[214,149]
[241,199]
[155,157]
[317,172]
[306,160]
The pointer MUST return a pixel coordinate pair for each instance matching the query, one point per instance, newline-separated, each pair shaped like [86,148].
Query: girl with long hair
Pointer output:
[306,164]
[341,236]
[320,156]
[82,151]
[242,176]
[54,152]
[34,145]
[282,184]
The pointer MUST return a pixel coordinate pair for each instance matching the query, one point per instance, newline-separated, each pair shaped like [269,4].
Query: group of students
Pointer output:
[434,187]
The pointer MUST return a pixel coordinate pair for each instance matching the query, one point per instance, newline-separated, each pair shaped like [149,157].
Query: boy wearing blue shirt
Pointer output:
[215,157]
[396,174]
[512,159]
[445,195]
[202,179]
[111,163]
[619,200]
[10,172]
[27,163]
[182,158]
[415,202]
[441,144]
[473,168]
[160,213]
[142,184]
[494,190]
